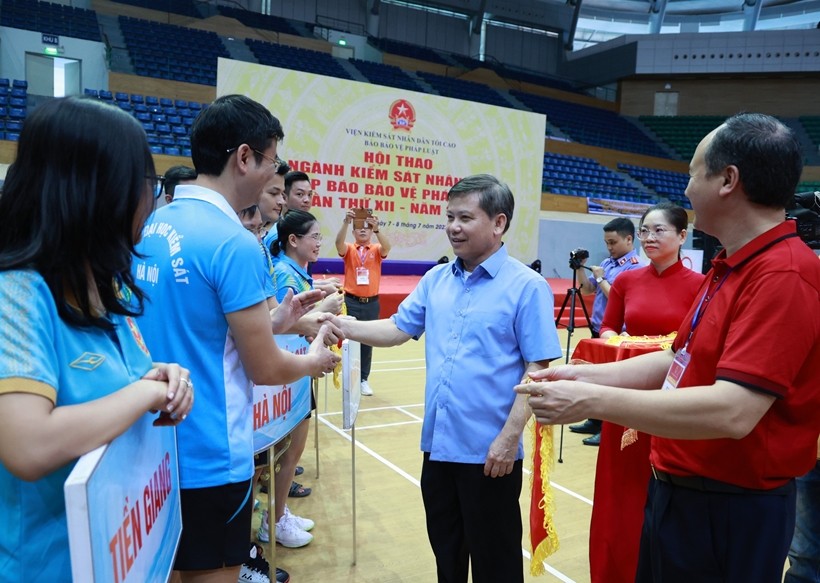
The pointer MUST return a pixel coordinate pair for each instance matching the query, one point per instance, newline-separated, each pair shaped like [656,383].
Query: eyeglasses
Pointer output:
[315,236]
[657,232]
[275,163]
[158,184]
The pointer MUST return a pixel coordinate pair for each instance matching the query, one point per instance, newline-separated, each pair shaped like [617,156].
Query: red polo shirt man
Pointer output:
[738,414]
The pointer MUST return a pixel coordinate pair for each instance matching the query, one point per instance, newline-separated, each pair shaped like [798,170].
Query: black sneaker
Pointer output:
[256,569]
[282,576]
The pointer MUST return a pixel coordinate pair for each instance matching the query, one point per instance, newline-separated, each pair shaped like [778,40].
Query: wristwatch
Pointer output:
[599,279]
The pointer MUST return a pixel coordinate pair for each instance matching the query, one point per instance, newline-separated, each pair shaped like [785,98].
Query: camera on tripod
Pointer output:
[576,256]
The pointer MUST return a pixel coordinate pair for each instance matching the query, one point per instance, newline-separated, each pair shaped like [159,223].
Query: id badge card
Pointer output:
[362,276]
[676,370]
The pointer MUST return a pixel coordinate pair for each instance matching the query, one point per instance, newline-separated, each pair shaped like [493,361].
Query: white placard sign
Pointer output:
[351,382]
[278,409]
[123,508]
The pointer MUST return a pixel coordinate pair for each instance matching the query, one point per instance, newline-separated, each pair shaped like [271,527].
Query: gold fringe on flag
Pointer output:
[543,535]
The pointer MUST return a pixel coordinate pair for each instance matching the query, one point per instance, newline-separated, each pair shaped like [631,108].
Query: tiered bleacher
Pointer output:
[167,51]
[167,122]
[183,7]
[682,133]
[298,59]
[260,21]
[407,50]
[579,176]
[812,126]
[513,74]
[49,18]
[460,89]
[13,108]
[591,125]
[665,182]
[388,75]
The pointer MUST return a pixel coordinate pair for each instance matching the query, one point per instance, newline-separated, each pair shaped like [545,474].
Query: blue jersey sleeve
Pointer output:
[235,273]
[27,333]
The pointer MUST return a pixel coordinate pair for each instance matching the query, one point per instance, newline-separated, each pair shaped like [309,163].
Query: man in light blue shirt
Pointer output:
[488,319]
[619,238]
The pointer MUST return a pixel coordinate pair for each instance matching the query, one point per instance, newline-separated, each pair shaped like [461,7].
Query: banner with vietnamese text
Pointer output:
[397,152]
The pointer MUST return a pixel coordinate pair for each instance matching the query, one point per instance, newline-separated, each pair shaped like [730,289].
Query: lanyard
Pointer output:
[705,297]
[362,250]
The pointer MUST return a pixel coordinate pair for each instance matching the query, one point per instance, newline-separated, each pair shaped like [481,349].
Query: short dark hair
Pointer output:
[74,201]
[676,215]
[283,168]
[176,174]
[226,124]
[248,212]
[494,197]
[294,176]
[766,153]
[293,222]
[623,226]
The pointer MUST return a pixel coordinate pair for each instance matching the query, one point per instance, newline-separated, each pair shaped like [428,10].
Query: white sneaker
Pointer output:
[251,575]
[305,524]
[289,535]
[366,390]
[262,534]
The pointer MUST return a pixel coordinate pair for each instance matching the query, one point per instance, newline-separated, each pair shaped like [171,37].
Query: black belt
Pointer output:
[709,485]
[363,300]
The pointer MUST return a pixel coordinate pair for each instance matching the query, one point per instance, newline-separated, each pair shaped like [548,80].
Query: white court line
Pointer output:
[402,360]
[566,491]
[369,451]
[409,414]
[557,574]
[333,413]
[387,425]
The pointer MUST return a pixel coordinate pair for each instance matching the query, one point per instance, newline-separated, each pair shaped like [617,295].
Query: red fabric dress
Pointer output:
[650,305]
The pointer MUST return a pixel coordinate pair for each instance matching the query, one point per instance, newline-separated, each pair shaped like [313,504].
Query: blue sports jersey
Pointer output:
[200,264]
[290,275]
[70,365]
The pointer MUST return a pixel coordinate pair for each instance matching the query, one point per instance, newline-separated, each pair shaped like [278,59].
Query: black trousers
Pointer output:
[364,312]
[473,518]
[708,537]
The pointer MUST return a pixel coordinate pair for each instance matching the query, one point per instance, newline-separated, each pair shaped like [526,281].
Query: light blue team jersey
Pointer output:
[79,364]
[290,275]
[482,330]
[200,264]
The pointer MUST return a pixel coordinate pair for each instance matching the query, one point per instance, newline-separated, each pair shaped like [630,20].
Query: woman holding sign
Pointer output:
[297,246]
[74,370]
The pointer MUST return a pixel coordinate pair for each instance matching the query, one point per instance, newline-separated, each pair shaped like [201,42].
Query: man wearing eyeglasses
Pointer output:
[735,410]
[209,309]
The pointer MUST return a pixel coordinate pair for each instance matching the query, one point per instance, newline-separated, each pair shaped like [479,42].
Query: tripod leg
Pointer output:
[561,311]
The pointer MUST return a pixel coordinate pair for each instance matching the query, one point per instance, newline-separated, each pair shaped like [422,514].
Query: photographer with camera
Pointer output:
[619,235]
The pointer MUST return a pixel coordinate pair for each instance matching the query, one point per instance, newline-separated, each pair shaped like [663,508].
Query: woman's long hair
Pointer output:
[74,202]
